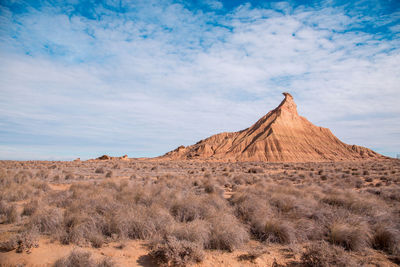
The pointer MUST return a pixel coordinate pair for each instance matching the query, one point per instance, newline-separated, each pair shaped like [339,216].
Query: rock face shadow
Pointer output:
[146,261]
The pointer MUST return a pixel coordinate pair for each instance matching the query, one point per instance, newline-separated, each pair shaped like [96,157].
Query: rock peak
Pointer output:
[288,103]
[287,95]
[281,135]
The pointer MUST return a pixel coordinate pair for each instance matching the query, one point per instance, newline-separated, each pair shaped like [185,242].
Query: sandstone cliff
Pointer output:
[282,135]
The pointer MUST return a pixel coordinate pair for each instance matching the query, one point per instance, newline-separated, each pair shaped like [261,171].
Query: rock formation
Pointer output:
[104,157]
[282,135]
[107,157]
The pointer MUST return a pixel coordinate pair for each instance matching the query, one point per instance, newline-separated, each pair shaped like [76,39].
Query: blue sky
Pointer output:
[85,78]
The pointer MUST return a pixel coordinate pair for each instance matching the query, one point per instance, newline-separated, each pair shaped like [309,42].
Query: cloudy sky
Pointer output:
[85,78]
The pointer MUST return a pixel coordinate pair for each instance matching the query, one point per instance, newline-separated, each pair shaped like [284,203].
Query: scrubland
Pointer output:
[200,213]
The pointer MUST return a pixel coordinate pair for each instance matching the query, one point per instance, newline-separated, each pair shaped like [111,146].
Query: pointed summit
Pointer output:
[288,103]
[281,135]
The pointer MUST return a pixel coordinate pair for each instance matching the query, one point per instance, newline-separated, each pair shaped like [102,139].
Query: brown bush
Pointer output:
[47,221]
[198,231]
[174,252]
[99,170]
[77,258]
[227,233]
[30,208]
[188,209]
[256,170]
[8,212]
[21,242]
[106,262]
[387,239]
[249,206]
[356,203]
[321,254]
[351,237]
[272,230]
[82,228]
[141,222]
[209,188]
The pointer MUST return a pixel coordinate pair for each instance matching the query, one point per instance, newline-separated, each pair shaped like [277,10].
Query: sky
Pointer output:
[86,78]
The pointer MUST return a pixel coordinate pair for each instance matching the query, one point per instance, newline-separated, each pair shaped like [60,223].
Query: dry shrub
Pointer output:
[321,254]
[240,179]
[272,230]
[198,231]
[8,212]
[22,177]
[21,242]
[283,202]
[209,188]
[47,221]
[387,239]
[256,170]
[43,186]
[16,192]
[390,193]
[82,229]
[106,262]
[30,208]
[351,237]
[188,209]
[99,170]
[77,258]
[174,252]
[69,176]
[354,202]
[249,206]
[227,233]
[141,222]
[59,199]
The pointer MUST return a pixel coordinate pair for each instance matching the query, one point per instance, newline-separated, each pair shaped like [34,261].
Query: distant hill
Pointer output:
[282,135]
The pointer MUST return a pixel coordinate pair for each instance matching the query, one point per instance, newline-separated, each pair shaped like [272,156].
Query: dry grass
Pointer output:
[8,212]
[80,258]
[351,237]
[22,242]
[174,252]
[334,211]
[321,254]
[387,238]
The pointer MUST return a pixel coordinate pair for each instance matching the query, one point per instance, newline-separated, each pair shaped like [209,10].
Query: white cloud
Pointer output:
[213,4]
[129,84]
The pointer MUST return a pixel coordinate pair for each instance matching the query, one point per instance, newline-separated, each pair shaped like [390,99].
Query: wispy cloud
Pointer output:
[144,77]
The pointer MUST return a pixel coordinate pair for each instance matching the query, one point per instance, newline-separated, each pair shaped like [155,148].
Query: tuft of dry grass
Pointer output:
[81,258]
[30,208]
[387,239]
[321,254]
[227,233]
[174,252]
[350,237]
[47,220]
[8,212]
[22,242]
[272,230]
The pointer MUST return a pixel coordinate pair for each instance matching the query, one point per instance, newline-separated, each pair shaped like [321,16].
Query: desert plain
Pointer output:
[131,212]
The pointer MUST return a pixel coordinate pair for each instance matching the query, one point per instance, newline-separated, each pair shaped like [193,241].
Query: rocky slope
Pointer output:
[282,135]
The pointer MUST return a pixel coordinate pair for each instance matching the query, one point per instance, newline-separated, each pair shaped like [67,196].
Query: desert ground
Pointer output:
[129,212]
